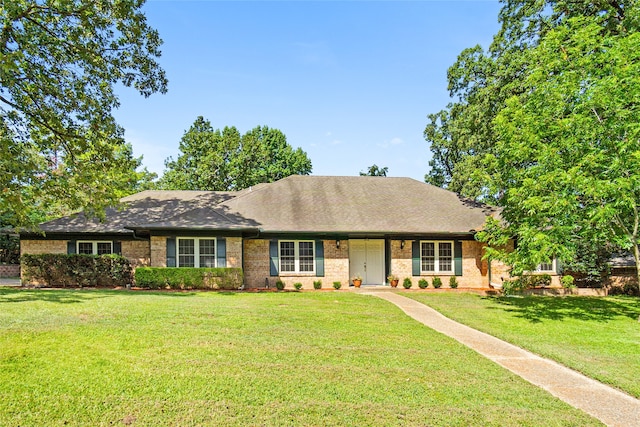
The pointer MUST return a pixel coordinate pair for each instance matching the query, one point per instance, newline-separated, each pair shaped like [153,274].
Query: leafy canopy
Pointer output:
[545,125]
[374,170]
[221,160]
[59,63]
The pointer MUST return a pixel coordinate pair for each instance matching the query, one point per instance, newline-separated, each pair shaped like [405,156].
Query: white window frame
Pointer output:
[196,250]
[436,263]
[94,245]
[296,247]
[553,267]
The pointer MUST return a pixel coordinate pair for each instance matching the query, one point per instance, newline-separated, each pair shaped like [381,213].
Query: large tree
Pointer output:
[568,149]
[374,170]
[462,136]
[59,63]
[211,159]
[483,144]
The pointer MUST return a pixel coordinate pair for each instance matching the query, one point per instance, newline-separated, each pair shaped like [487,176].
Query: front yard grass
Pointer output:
[598,336]
[98,357]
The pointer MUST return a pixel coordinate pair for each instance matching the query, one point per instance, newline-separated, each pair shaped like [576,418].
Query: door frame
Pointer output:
[378,253]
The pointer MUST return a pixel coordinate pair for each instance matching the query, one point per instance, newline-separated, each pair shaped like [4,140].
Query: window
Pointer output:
[546,266]
[196,252]
[297,256]
[436,257]
[94,248]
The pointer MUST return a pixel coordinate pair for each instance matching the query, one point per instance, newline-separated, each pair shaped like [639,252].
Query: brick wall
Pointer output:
[9,270]
[158,251]
[137,251]
[257,266]
[474,269]
[234,252]
[36,247]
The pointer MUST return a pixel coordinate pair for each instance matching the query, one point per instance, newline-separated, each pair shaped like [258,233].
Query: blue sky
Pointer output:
[350,82]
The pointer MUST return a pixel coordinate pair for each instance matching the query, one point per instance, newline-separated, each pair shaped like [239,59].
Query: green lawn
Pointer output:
[315,358]
[594,335]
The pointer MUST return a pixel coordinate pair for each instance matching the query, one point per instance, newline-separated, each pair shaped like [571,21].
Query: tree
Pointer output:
[60,61]
[374,170]
[466,138]
[462,136]
[224,160]
[567,154]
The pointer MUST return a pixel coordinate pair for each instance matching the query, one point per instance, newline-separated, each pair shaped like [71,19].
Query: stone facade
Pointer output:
[257,271]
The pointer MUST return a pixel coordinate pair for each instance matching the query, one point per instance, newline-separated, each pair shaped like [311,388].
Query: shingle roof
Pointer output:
[297,204]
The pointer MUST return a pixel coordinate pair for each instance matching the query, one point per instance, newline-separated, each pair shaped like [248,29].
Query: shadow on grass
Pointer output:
[536,308]
[61,296]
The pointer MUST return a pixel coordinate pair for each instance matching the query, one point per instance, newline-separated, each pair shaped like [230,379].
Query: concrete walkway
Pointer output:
[612,407]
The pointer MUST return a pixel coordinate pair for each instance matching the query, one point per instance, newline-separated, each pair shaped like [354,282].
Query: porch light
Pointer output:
[338,244]
[401,244]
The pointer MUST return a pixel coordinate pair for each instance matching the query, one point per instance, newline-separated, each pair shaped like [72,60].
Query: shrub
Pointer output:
[436,282]
[423,283]
[317,284]
[453,282]
[406,283]
[297,285]
[567,282]
[280,285]
[511,287]
[626,289]
[337,285]
[75,270]
[188,278]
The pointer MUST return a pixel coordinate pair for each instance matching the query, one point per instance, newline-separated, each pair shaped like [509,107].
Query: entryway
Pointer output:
[366,258]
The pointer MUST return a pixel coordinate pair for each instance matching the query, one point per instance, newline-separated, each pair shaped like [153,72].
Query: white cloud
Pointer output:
[396,141]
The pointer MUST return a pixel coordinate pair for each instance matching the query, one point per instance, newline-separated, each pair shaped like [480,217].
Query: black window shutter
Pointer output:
[457,255]
[221,255]
[319,258]
[273,254]
[171,251]
[415,258]
[71,247]
[117,247]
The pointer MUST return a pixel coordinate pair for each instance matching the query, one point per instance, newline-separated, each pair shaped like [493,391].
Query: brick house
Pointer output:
[298,229]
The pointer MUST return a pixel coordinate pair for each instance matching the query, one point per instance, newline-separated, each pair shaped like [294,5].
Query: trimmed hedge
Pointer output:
[188,278]
[75,270]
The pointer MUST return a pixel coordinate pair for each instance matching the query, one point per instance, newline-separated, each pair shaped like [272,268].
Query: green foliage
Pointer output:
[406,283]
[60,145]
[280,285]
[629,288]
[297,286]
[337,285]
[217,160]
[567,282]
[317,284]
[545,125]
[526,281]
[188,278]
[62,270]
[9,248]
[423,283]
[374,170]
[453,282]
[436,282]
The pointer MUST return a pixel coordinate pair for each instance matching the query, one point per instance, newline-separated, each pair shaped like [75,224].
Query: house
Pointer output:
[298,229]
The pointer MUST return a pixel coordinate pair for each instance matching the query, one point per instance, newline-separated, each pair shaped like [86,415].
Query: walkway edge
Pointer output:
[611,406]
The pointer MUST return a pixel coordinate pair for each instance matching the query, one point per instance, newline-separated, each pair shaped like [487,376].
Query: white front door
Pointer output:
[366,258]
